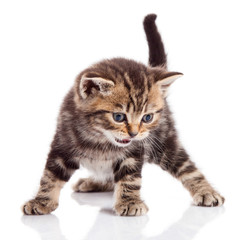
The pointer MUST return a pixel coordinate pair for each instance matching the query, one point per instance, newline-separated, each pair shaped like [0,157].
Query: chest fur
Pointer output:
[100,169]
[101,166]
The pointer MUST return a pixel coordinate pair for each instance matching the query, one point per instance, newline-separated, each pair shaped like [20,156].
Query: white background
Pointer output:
[45,44]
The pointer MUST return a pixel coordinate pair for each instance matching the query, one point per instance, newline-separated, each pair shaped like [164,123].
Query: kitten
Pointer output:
[113,120]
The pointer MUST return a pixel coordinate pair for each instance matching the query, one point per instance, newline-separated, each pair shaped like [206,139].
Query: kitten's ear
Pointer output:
[92,85]
[166,80]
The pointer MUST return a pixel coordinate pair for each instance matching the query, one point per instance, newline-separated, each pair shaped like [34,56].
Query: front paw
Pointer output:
[131,208]
[208,199]
[39,207]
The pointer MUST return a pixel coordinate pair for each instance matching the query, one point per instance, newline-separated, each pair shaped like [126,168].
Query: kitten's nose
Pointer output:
[132,134]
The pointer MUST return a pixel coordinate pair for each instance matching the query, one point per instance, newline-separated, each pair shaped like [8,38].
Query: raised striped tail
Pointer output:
[157,55]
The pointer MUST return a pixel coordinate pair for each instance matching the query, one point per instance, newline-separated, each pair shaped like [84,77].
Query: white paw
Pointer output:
[208,199]
[131,209]
[83,185]
[39,207]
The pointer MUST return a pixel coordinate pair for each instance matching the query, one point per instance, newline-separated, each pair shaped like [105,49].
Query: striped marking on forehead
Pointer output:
[119,106]
[131,105]
[137,94]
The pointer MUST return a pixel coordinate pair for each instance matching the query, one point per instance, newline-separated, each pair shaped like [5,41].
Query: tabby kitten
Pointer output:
[113,120]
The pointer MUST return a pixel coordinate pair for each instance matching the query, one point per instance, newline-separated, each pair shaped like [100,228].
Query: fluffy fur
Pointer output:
[114,148]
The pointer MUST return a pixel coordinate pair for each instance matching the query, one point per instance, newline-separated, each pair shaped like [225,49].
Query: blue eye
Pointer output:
[119,117]
[147,118]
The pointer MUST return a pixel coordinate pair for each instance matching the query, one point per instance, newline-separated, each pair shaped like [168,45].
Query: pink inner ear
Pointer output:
[168,80]
[171,74]
[88,85]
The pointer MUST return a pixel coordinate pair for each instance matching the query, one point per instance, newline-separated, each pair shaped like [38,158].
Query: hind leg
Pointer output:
[93,185]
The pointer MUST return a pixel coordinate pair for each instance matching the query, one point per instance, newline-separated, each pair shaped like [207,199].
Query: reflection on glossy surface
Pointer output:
[193,219]
[46,225]
[109,226]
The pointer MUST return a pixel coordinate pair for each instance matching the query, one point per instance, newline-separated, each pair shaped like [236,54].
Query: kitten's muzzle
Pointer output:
[127,140]
[133,134]
[123,141]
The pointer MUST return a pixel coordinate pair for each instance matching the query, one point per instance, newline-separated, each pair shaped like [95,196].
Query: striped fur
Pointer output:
[157,55]
[47,197]
[87,134]
[92,185]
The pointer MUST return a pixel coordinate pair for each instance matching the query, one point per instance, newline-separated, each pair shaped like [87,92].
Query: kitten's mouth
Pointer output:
[123,141]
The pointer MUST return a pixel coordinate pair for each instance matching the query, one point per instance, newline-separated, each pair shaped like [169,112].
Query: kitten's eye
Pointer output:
[119,117]
[147,118]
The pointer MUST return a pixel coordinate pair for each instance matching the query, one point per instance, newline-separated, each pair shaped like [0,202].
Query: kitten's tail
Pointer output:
[157,55]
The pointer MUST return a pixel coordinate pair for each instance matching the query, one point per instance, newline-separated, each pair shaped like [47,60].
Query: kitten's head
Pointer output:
[123,99]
